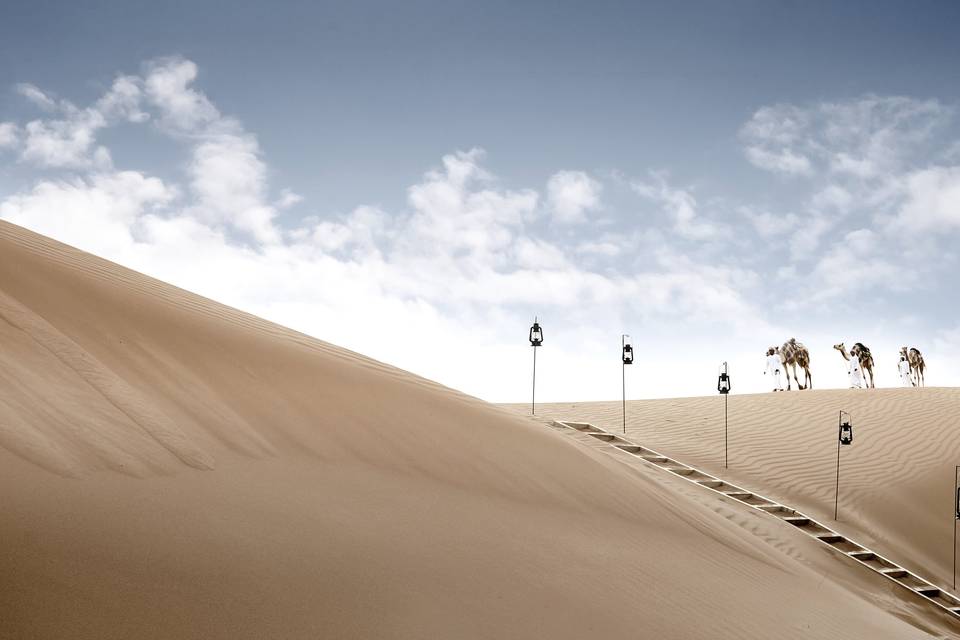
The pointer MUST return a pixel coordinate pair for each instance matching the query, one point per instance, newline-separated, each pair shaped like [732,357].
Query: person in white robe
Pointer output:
[774,368]
[903,366]
[855,372]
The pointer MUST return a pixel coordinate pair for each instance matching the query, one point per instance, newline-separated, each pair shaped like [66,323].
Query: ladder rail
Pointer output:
[815,529]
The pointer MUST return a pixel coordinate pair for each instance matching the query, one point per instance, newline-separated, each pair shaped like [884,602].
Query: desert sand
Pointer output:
[896,479]
[174,468]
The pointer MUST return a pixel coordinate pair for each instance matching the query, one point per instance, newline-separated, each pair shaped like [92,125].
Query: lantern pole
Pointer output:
[623,376]
[536,339]
[724,386]
[956,517]
[533,399]
[726,456]
[836,499]
[623,371]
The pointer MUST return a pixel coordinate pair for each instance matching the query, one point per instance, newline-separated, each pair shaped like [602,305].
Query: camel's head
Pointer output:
[840,347]
[903,351]
[792,341]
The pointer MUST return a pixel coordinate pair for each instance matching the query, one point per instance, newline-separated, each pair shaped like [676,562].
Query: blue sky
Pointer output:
[415,181]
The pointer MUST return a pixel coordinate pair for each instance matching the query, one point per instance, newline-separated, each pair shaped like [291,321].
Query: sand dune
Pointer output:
[897,478]
[173,468]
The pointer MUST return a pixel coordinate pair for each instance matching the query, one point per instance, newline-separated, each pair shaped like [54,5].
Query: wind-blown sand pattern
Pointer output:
[173,468]
[896,491]
[821,532]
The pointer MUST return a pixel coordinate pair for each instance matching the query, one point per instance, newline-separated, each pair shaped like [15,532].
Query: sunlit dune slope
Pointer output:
[896,478]
[172,468]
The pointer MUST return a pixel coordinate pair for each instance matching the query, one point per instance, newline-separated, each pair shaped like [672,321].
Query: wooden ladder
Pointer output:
[816,530]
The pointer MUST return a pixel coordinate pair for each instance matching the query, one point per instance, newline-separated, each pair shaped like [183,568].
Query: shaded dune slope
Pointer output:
[170,467]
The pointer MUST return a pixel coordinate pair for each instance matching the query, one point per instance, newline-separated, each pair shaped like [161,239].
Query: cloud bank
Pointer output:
[446,285]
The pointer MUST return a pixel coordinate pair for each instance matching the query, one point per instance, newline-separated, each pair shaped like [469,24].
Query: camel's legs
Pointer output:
[807,378]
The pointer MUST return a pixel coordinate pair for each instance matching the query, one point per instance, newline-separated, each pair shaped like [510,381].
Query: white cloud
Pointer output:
[866,138]
[872,136]
[856,263]
[537,254]
[62,143]
[9,135]
[69,141]
[932,201]
[36,96]
[229,180]
[358,235]
[680,204]
[453,218]
[123,100]
[100,214]
[781,160]
[781,124]
[833,196]
[867,161]
[287,199]
[769,225]
[805,241]
[942,357]
[571,194]
[168,86]
[603,247]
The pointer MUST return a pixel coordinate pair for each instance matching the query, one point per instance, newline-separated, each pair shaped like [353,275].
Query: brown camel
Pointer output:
[794,354]
[861,353]
[917,365]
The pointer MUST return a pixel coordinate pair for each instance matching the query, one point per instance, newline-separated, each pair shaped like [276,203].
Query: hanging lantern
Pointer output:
[627,350]
[846,431]
[536,334]
[723,382]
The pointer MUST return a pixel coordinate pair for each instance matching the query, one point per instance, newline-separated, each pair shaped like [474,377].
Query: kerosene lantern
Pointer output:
[846,428]
[723,382]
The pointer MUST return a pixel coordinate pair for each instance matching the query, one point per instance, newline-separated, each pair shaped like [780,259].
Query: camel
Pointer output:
[917,364]
[794,354]
[861,353]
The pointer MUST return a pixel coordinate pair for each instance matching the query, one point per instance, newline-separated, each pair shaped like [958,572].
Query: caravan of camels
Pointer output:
[793,354]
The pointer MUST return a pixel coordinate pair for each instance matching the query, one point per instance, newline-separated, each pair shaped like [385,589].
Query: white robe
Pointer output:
[905,378]
[855,373]
[774,368]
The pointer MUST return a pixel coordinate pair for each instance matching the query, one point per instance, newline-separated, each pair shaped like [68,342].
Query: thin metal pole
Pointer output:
[533,400]
[836,499]
[956,494]
[623,369]
[726,458]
